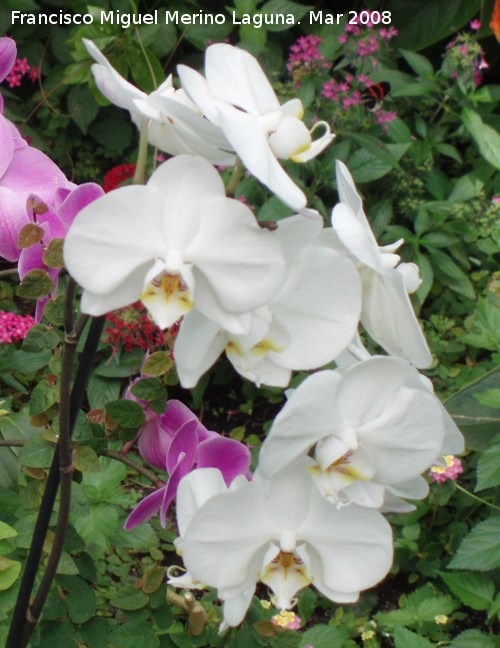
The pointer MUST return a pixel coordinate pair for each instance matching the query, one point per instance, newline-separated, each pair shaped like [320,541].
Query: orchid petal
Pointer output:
[8,53]
[349,195]
[310,408]
[104,246]
[235,77]
[354,236]
[13,217]
[388,316]
[320,315]
[7,148]
[193,491]
[232,251]
[184,447]
[231,457]
[197,346]
[153,443]
[317,146]
[245,133]
[351,559]
[146,508]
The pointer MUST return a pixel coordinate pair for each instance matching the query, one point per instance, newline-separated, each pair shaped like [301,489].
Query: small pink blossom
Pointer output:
[451,469]
[22,66]
[285,619]
[34,74]
[475,24]
[14,79]
[496,200]
[14,327]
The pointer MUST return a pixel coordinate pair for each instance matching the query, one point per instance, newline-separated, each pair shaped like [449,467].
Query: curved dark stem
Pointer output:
[22,616]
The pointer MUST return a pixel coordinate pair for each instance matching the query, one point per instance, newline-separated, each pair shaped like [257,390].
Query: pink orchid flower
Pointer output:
[178,443]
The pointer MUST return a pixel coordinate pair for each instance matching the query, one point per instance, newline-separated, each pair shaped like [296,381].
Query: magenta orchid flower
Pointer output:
[55,221]
[24,171]
[178,443]
[8,53]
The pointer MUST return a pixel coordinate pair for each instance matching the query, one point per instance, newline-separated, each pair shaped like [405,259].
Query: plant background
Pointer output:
[431,175]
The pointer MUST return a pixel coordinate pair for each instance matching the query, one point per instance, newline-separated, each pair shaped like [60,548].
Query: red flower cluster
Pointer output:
[118,174]
[131,327]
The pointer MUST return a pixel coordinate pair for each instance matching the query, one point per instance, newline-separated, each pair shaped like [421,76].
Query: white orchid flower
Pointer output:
[453,441]
[309,321]
[192,493]
[283,533]
[175,124]
[237,97]
[374,428]
[387,312]
[175,243]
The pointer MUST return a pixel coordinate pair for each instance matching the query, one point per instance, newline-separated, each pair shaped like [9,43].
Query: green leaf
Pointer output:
[96,633]
[488,469]
[157,364]
[82,107]
[9,571]
[467,187]
[113,134]
[121,365]
[35,284]
[129,598]
[148,389]
[406,639]
[431,20]
[134,633]
[448,272]
[40,338]
[474,639]
[375,146]
[418,63]
[53,253]
[473,589]
[6,531]
[323,636]
[126,413]
[43,397]
[365,167]
[86,459]
[54,310]
[37,453]
[478,422]
[102,390]
[480,549]
[80,598]
[486,138]
[490,398]
[285,7]
[485,327]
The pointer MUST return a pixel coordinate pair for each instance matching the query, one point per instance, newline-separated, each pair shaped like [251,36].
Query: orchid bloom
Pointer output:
[309,321]
[237,97]
[8,53]
[374,428]
[55,221]
[387,312]
[178,443]
[174,123]
[283,533]
[174,243]
[23,171]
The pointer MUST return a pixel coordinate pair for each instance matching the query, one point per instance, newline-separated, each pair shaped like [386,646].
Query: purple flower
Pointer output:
[55,221]
[178,443]
[8,53]
[24,171]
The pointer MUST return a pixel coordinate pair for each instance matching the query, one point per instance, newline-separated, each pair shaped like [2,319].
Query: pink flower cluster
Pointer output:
[451,470]
[14,327]
[464,60]
[341,91]
[305,58]
[20,69]
[286,619]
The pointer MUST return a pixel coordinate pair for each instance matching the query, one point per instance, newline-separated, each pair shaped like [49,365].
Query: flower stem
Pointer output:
[235,178]
[121,456]
[22,617]
[478,499]
[142,154]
